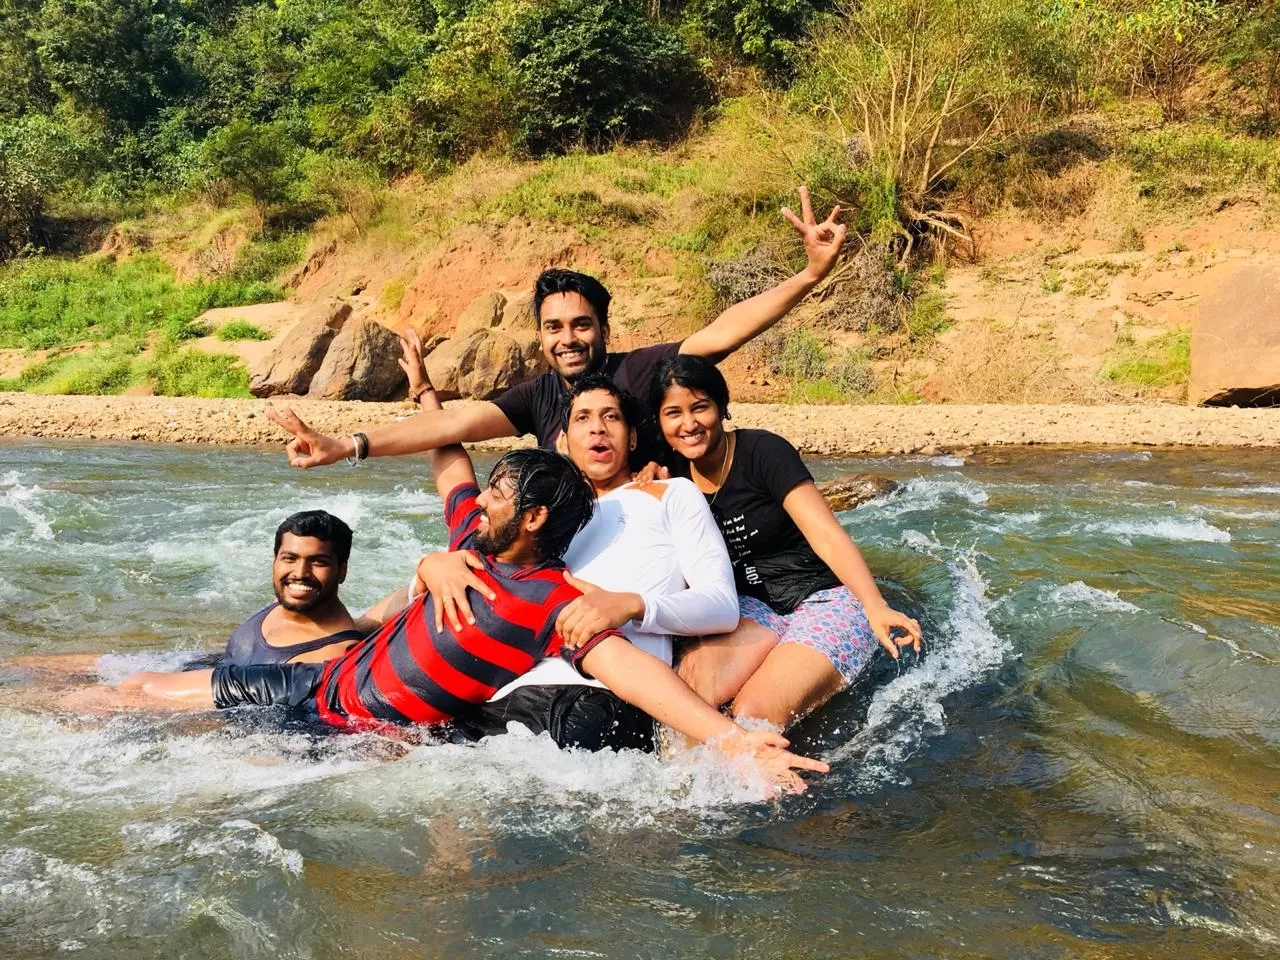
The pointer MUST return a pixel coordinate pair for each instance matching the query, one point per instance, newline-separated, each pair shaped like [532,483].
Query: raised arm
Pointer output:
[424,431]
[746,320]
[808,508]
[450,464]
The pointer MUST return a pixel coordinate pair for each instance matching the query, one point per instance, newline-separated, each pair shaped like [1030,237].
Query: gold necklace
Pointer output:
[730,448]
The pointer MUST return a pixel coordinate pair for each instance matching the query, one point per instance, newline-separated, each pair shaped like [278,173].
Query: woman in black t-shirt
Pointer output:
[811,613]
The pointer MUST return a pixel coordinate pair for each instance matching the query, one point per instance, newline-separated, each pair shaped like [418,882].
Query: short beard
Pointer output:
[498,539]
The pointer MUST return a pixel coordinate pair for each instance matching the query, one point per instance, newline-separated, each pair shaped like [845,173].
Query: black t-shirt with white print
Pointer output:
[772,560]
[535,406]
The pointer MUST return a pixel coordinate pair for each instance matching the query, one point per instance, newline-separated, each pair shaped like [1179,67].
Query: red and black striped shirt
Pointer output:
[409,673]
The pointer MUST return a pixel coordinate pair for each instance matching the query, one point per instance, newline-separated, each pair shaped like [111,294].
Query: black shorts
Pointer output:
[266,684]
[575,715]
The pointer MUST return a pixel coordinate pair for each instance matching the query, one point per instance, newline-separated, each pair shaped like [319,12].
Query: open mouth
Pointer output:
[301,589]
[599,452]
[571,355]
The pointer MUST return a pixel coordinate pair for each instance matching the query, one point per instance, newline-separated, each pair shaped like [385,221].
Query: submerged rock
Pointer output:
[855,489]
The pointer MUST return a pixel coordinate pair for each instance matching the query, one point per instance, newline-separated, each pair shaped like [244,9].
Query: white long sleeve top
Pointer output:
[661,542]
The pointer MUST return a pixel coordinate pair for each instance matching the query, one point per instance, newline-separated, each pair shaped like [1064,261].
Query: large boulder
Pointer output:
[855,489]
[1235,341]
[291,365]
[360,365]
[482,313]
[449,363]
[498,363]
[479,365]
[517,315]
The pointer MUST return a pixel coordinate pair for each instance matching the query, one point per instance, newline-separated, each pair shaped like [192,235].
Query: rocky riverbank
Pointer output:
[822,430]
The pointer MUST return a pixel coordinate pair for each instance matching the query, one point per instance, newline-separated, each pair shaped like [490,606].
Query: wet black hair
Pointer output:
[321,525]
[545,479]
[692,373]
[632,415]
[556,280]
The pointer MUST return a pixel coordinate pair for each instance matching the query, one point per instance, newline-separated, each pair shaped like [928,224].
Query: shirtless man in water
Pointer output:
[306,623]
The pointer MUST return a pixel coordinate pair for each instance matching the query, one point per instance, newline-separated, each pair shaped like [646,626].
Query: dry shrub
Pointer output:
[739,278]
[992,363]
[862,293]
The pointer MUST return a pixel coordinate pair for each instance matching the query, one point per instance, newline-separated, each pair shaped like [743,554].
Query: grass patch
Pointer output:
[928,317]
[107,370]
[393,293]
[1181,162]
[241,330]
[1163,361]
[264,260]
[189,373]
[47,303]
[173,372]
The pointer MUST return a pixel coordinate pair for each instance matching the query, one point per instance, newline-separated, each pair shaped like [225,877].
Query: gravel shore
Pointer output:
[823,430]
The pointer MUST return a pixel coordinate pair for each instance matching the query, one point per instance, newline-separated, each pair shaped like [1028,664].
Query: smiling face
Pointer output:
[306,573]
[573,340]
[598,438]
[691,422]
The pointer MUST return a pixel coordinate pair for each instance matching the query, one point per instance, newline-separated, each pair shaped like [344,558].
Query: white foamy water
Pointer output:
[25,501]
[1079,595]
[927,493]
[909,709]
[1194,530]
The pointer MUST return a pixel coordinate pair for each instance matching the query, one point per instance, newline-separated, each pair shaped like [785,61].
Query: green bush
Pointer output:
[241,330]
[851,373]
[257,159]
[189,373]
[763,32]
[594,72]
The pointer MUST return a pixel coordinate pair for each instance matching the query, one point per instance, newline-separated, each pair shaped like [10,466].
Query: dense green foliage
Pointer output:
[307,106]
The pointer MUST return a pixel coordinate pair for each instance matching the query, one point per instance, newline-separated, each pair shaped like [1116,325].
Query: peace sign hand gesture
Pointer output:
[309,448]
[822,241]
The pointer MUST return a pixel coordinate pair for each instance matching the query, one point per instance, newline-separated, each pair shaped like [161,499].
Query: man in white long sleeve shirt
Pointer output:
[652,564]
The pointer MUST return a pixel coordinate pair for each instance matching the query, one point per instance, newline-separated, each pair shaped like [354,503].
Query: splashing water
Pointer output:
[1086,751]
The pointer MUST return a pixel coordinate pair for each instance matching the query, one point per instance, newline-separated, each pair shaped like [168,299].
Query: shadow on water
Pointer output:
[1084,763]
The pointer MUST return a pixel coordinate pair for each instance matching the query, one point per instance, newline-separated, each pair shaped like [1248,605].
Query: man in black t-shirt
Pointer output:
[572,313]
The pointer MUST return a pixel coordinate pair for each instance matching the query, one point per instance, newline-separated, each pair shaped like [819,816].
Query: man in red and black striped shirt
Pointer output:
[410,671]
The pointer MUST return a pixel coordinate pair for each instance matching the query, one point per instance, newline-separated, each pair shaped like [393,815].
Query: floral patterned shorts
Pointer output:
[829,621]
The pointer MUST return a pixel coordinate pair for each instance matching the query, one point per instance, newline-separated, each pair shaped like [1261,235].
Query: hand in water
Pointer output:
[822,241]
[768,753]
[309,448]
[886,621]
[446,576]
[595,611]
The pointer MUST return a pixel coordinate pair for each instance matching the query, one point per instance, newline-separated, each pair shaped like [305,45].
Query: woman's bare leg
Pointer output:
[793,681]
[717,667]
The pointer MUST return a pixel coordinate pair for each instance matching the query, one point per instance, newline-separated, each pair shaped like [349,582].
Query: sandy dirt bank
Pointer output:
[814,429]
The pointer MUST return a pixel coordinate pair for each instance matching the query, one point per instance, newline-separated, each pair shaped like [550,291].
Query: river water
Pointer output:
[1086,763]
